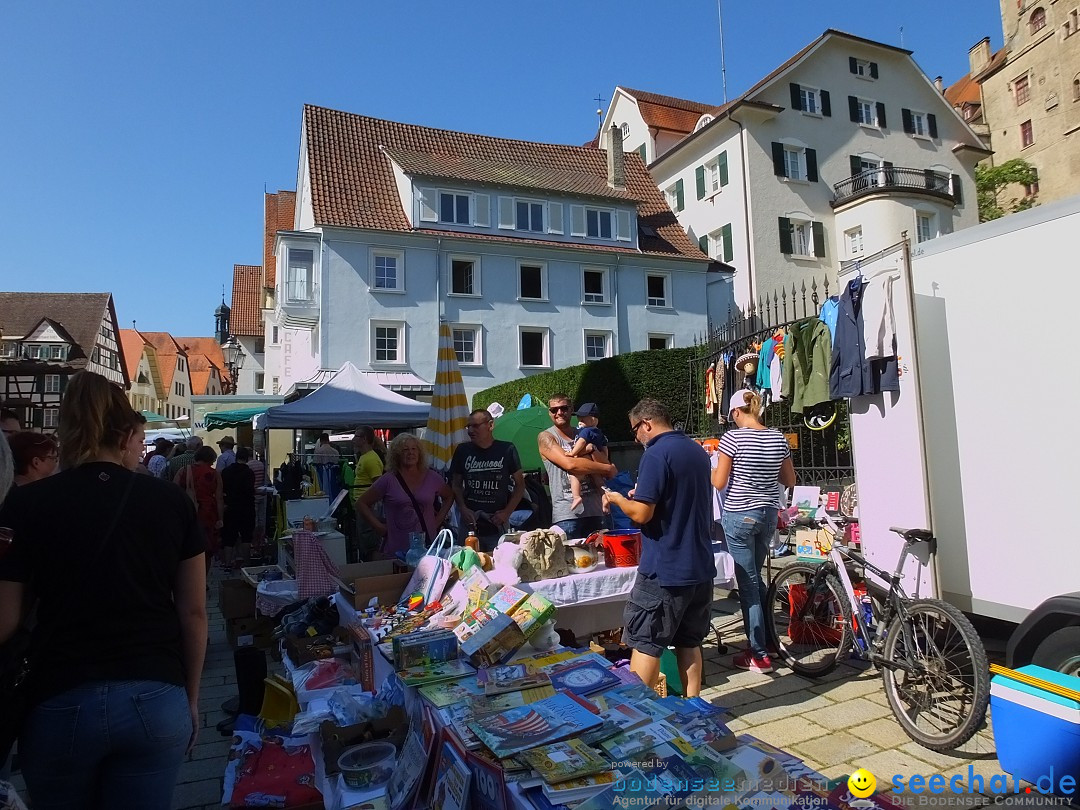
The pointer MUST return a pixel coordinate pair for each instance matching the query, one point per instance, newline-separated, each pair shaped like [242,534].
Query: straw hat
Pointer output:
[747,363]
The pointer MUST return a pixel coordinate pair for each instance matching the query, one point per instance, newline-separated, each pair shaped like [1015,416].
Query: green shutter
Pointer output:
[722,164]
[957,189]
[909,126]
[785,235]
[796,96]
[881,115]
[641,151]
[818,231]
[680,199]
[778,159]
[826,104]
[811,165]
[853,109]
[699,176]
[37,417]
[703,243]
[856,165]
[853,64]
[873,70]
[931,123]
[725,235]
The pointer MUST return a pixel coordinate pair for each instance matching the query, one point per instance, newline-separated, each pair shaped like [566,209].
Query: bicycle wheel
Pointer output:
[809,619]
[943,702]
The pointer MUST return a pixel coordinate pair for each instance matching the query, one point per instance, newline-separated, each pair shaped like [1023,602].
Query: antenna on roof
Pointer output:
[599,113]
[901,36]
[132,323]
[723,63]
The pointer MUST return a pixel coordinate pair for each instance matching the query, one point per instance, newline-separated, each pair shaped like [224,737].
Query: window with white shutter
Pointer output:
[622,226]
[506,213]
[555,217]
[482,214]
[577,220]
[427,206]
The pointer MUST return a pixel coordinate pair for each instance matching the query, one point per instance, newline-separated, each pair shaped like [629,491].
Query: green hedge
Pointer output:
[615,384]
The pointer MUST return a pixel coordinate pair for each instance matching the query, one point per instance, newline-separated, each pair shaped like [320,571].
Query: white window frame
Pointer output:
[802,235]
[610,212]
[37,352]
[667,337]
[461,257]
[373,331]
[605,291]
[260,381]
[604,335]
[920,125]
[542,330]
[813,96]
[530,202]
[929,217]
[671,195]
[478,343]
[712,177]
[869,106]
[798,153]
[50,418]
[52,383]
[275,384]
[399,257]
[275,336]
[655,303]
[853,241]
[862,69]
[456,193]
[543,279]
[292,283]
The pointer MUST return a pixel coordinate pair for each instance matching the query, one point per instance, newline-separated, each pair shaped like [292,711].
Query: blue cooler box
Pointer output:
[1035,730]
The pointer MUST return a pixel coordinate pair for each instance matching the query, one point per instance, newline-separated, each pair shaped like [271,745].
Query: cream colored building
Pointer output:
[1031,93]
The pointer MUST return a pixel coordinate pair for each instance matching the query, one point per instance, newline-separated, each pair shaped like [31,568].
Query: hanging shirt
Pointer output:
[768,349]
[879,321]
[852,374]
[829,311]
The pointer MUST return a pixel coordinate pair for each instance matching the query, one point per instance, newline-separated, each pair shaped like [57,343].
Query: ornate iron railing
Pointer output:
[894,178]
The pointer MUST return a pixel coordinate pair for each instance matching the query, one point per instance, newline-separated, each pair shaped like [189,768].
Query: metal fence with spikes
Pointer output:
[821,457]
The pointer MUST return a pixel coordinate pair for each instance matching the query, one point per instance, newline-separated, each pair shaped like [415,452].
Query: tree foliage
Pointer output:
[992,182]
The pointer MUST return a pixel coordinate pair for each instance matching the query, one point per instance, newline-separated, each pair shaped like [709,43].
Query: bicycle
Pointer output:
[931,659]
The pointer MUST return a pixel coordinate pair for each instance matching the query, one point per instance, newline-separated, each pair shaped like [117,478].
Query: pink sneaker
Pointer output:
[747,660]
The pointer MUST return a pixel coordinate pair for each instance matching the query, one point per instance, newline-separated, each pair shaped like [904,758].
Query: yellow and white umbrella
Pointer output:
[449,406]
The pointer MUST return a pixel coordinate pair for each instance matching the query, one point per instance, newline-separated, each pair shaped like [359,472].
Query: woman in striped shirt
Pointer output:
[751,459]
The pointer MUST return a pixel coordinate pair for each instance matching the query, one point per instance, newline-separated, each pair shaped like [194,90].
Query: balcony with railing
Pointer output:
[897,179]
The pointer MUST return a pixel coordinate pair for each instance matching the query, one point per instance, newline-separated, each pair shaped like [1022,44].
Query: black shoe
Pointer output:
[225,727]
[232,705]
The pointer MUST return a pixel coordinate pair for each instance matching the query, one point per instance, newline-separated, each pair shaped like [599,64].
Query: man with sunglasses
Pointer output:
[487,480]
[555,444]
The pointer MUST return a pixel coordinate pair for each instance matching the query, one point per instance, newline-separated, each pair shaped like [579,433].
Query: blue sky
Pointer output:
[138,137]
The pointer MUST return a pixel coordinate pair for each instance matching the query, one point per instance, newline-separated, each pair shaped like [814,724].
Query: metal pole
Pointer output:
[723,63]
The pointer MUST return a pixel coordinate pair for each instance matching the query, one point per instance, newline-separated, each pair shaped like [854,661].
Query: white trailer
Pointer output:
[979,444]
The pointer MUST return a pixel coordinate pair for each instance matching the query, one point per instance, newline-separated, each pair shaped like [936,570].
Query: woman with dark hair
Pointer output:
[36,456]
[203,485]
[118,580]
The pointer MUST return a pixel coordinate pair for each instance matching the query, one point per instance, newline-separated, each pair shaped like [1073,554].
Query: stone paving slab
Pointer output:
[847,713]
[835,748]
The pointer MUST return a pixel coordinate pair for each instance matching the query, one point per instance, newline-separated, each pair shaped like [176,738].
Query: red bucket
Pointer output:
[622,548]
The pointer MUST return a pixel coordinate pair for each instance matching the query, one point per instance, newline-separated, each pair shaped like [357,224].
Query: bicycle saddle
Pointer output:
[914,535]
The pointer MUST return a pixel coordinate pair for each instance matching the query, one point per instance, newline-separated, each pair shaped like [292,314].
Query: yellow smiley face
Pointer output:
[861,783]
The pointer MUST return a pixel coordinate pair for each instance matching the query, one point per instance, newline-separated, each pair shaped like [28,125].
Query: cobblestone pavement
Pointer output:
[837,724]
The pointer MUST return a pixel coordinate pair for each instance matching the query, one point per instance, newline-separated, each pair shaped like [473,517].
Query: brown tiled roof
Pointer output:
[279,211]
[246,316]
[667,112]
[80,314]
[352,182]
[201,370]
[202,352]
[505,174]
[964,91]
[133,343]
[166,349]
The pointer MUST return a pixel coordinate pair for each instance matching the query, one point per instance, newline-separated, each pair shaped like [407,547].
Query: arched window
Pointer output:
[1037,20]
[705,119]
[625,129]
[1076,88]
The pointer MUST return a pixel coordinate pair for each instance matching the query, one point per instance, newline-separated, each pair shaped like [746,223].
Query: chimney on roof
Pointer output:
[979,55]
[939,85]
[616,161]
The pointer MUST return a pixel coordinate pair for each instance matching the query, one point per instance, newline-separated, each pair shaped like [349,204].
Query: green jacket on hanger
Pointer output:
[805,374]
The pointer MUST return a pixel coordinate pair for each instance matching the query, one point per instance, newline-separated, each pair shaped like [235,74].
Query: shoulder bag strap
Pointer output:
[416,506]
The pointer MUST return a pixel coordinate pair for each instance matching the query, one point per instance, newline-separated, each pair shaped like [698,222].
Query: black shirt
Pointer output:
[487,475]
[105,609]
[238,486]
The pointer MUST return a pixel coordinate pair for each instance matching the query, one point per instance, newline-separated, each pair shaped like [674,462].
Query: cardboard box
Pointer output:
[424,647]
[236,599]
[382,580]
[251,632]
[363,656]
[302,649]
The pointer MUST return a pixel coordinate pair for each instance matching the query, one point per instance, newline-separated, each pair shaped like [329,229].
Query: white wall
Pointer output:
[625,111]
[253,364]
[883,218]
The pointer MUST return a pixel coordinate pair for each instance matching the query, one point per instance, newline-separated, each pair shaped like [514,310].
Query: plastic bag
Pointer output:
[323,674]
[349,707]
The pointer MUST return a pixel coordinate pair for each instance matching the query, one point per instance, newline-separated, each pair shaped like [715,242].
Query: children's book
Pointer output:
[409,769]
[450,788]
[555,718]
[504,672]
[643,738]
[457,717]
[507,599]
[447,693]
[434,673]
[530,681]
[584,678]
[583,787]
[632,789]
[576,660]
[562,761]
[488,785]
[510,700]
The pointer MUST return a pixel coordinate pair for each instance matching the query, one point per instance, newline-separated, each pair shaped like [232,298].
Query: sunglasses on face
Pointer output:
[558,408]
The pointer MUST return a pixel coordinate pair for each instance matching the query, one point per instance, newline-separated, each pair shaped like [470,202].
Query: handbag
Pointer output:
[416,505]
[21,650]
[432,571]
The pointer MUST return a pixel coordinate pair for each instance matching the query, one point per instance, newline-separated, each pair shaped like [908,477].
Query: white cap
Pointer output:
[738,400]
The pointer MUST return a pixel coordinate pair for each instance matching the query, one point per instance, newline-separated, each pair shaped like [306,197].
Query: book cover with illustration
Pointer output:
[457,717]
[562,761]
[555,718]
[583,787]
[533,680]
[446,693]
[510,700]
[435,672]
[635,741]
[507,599]
[450,787]
[488,790]
[632,789]
[585,678]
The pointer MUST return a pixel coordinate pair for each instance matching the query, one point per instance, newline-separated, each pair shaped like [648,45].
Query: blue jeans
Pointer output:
[582,526]
[748,534]
[115,744]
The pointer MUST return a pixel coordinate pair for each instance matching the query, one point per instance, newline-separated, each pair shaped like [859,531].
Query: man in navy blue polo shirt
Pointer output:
[671,603]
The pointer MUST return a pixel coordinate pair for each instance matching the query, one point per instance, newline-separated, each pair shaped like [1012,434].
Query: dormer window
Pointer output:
[454,208]
[598,223]
[530,216]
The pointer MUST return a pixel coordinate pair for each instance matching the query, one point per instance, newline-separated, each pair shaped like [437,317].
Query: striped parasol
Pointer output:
[449,406]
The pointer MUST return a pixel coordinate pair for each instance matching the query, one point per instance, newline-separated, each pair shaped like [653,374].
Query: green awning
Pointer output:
[224,419]
[150,416]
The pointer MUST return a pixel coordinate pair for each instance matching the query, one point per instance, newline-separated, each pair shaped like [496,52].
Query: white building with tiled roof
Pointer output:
[832,156]
[540,256]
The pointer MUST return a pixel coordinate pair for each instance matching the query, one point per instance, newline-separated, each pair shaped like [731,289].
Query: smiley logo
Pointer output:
[861,783]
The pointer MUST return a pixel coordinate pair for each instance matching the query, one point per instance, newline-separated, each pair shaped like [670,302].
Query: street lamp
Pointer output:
[234,358]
